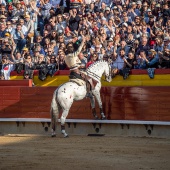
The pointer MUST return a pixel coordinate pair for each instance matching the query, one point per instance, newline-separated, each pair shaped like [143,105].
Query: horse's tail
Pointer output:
[55,109]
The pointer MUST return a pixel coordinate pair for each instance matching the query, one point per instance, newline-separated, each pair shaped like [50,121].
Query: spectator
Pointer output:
[93,58]
[30,26]
[29,67]
[2,30]
[19,38]
[6,66]
[114,30]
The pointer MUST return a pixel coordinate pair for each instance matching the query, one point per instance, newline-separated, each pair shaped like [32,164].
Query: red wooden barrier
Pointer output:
[133,72]
[27,83]
[120,103]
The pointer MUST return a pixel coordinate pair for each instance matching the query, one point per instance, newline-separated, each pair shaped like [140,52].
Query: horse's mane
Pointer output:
[95,64]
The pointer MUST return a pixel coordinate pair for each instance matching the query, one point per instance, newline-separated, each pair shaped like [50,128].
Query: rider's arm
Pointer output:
[80,47]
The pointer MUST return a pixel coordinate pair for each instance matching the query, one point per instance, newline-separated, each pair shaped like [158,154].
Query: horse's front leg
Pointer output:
[92,101]
[98,98]
[63,119]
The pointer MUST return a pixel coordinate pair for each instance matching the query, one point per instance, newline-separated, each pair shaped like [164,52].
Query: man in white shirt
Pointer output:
[23,27]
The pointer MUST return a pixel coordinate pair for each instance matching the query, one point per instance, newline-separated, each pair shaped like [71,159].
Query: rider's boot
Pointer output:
[89,92]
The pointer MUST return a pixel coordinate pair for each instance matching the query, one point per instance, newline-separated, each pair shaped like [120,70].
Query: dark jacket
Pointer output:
[74,23]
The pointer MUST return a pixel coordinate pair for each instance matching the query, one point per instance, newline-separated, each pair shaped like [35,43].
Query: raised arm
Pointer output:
[80,47]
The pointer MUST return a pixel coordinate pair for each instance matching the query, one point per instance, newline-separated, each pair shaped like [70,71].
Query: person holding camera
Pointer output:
[6,66]
[41,65]
[53,65]
[29,67]
[7,49]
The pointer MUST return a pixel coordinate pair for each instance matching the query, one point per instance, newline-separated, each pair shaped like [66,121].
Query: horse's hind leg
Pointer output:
[53,124]
[92,101]
[63,119]
[54,118]
[98,98]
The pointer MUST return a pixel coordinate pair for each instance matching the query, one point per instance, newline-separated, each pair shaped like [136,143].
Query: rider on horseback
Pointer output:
[73,62]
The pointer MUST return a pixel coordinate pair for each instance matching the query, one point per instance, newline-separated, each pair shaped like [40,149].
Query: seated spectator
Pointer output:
[93,58]
[61,62]
[19,38]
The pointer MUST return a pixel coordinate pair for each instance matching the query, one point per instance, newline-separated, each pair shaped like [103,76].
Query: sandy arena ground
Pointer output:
[83,152]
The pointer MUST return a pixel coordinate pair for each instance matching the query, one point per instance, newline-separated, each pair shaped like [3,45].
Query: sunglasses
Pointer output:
[28,58]
[49,51]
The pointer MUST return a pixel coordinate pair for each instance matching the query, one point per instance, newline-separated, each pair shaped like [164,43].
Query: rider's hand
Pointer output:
[83,37]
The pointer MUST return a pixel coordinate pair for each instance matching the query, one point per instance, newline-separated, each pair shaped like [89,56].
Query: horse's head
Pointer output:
[108,72]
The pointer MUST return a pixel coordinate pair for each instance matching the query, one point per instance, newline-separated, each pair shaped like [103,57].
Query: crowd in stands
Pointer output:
[132,34]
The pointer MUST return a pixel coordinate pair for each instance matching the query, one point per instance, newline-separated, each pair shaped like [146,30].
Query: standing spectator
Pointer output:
[30,27]
[9,27]
[29,67]
[93,58]
[143,46]
[74,20]
[18,11]
[6,66]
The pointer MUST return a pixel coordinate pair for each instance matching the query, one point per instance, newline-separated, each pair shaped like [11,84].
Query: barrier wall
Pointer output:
[136,78]
[120,103]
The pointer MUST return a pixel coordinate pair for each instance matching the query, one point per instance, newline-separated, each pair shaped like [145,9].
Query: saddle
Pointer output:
[79,82]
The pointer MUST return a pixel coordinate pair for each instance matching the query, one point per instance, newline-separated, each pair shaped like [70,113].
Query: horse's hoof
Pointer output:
[103,118]
[96,118]
[66,136]
[54,135]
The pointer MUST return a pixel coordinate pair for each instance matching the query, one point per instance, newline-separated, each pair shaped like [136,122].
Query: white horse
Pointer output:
[65,94]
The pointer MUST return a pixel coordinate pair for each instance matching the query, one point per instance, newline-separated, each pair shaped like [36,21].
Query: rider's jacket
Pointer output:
[72,59]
